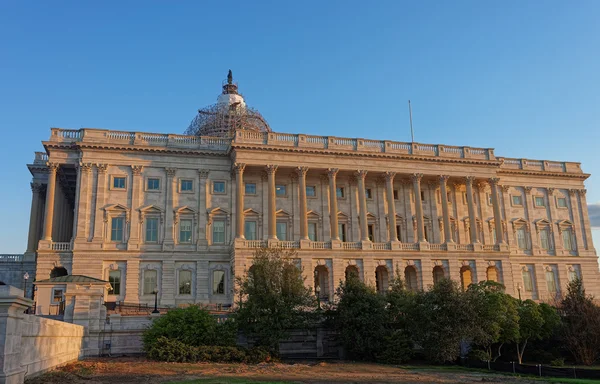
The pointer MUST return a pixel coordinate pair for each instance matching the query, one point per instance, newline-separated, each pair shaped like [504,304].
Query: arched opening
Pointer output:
[410,278]
[352,271]
[58,271]
[466,277]
[322,282]
[492,274]
[381,277]
[438,274]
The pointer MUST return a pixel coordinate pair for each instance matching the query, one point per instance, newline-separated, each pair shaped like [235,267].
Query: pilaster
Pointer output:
[587,227]
[576,221]
[301,171]
[83,208]
[168,242]
[362,201]
[239,200]
[101,186]
[202,214]
[416,180]
[169,286]
[132,281]
[272,216]
[472,217]
[333,206]
[136,188]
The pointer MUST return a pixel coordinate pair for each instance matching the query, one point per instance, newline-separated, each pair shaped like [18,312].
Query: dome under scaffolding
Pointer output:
[227,115]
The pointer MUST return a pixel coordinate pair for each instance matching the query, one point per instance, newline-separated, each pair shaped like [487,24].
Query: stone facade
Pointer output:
[184,214]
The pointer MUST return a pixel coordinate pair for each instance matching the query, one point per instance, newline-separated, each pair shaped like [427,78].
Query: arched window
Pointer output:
[322,282]
[381,277]
[410,278]
[466,277]
[58,271]
[352,270]
[492,274]
[438,274]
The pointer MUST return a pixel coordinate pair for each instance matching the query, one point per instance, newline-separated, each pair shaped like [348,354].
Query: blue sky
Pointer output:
[521,77]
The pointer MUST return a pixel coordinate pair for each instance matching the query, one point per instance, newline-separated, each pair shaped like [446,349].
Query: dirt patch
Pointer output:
[140,370]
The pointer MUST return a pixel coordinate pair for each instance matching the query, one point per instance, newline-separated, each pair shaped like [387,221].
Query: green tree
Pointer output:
[536,322]
[360,319]
[497,320]
[440,319]
[193,326]
[273,298]
[580,330]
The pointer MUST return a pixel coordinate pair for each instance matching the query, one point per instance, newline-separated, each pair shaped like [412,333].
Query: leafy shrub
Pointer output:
[396,348]
[193,326]
[560,362]
[175,351]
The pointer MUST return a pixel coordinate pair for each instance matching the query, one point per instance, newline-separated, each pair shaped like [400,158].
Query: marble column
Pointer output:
[445,209]
[503,190]
[239,200]
[83,206]
[587,227]
[389,185]
[577,231]
[416,180]
[333,207]
[171,189]
[272,214]
[532,234]
[136,188]
[556,243]
[497,215]
[301,171]
[362,203]
[471,205]
[202,218]
[50,192]
[101,186]
[36,189]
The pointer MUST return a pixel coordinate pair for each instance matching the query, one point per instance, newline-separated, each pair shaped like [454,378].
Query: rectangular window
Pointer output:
[250,230]
[114,278]
[312,231]
[422,195]
[567,240]
[118,182]
[573,275]
[186,185]
[219,187]
[57,295]
[522,238]
[280,190]
[342,231]
[494,239]
[185,282]
[545,239]
[185,231]
[426,233]
[398,233]
[539,201]
[153,184]
[151,230]
[339,192]
[311,191]
[489,199]
[116,229]
[561,202]
[449,197]
[527,282]
[282,231]
[551,281]
[218,230]
[150,281]
[218,282]
[395,194]
[250,189]
[369,193]
[371,231]
[517,200]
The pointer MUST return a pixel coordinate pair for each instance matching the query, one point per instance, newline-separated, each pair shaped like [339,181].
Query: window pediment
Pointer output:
[185,210]
[251,212]
[217,211]
[314,215]
[282,213]
[151,209]
[116,207]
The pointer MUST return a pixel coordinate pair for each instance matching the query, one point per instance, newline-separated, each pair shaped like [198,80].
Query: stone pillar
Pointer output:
[556,241]
[532,234]
[445,209]
[98,216]
[169,284]
[202,218]
[136,187]
[83,206]
[362,203]
[416,179]
[576,221]
[12,306]
[333,207]
[239,200]
[301,171]
[497,215]
[471,206]
[50,191]
[503,189]
[587,227]
[168,241]
[389,185]
[272,215]
[36,189]
[132,282]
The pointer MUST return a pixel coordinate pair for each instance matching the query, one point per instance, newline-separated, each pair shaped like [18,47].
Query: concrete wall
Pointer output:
[124,334]
[30,344]
[12,271]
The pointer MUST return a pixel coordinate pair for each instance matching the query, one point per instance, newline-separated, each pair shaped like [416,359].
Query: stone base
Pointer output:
[366,244]
[423,245]
[45,245]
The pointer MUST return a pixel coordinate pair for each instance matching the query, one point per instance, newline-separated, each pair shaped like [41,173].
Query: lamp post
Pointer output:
[519,290]
[318,291]
[155,300]
[25,278]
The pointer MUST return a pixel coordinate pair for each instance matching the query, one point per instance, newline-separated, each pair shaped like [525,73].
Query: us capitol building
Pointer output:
[181,215]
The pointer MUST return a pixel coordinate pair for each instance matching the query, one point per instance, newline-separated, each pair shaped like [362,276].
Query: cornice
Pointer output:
[582,176]
[137,148]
